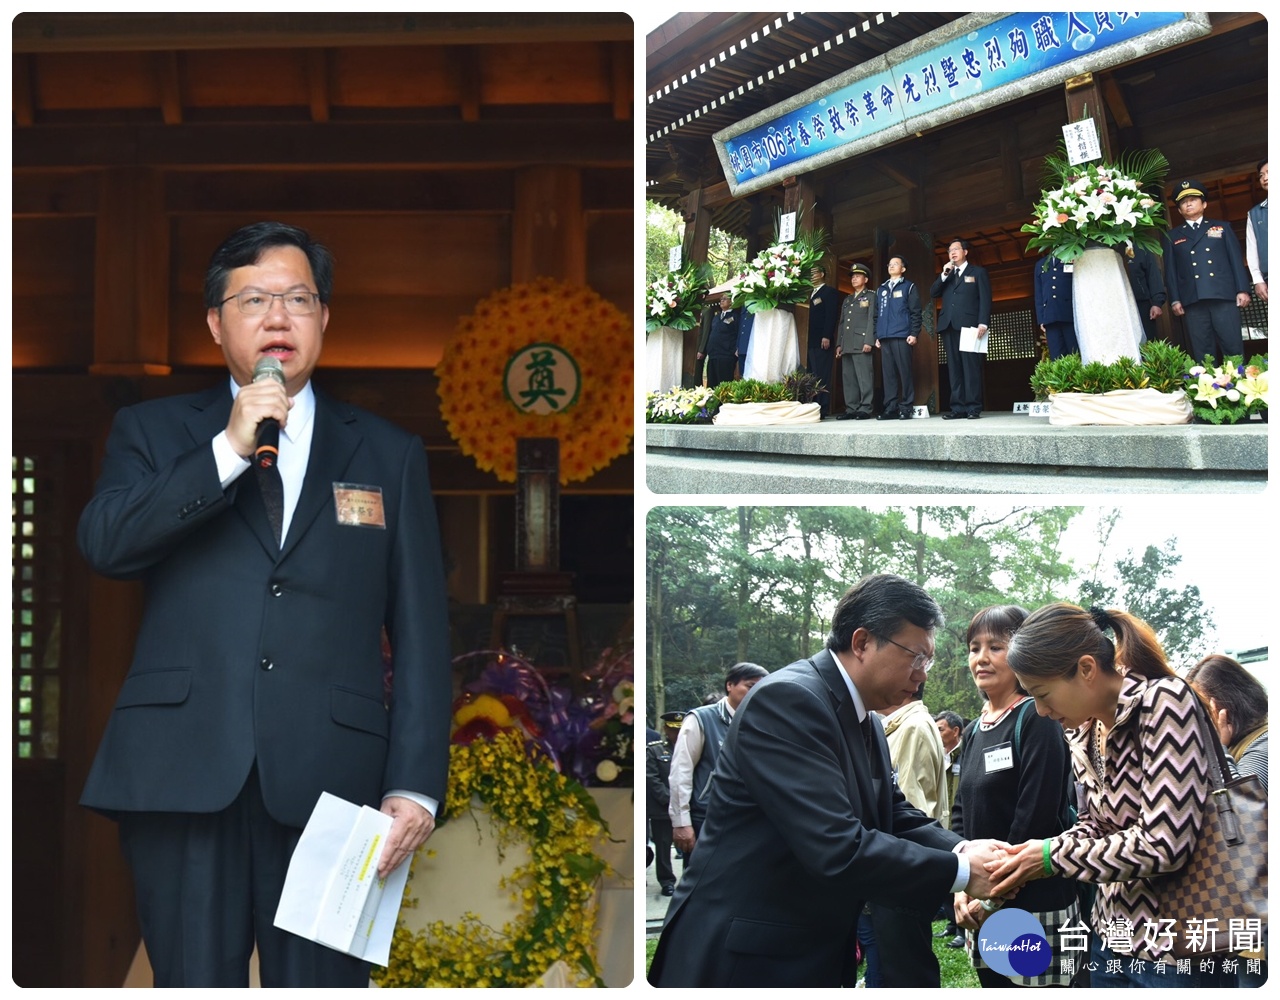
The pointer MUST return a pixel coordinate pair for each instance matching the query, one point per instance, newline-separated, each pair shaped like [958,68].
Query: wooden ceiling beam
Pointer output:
[470,81]
[581,142]
[621,79]
[318,84]
[169,86]
[24,112]
[64,32]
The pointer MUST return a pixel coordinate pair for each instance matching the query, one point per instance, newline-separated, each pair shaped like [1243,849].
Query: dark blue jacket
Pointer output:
[898,311]
[1053,292]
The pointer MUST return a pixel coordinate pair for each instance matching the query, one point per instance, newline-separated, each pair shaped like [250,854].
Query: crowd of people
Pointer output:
[1205,280]
[826,813]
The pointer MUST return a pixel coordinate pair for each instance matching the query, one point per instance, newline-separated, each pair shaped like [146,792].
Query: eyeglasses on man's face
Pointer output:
[255,302]
[922,662]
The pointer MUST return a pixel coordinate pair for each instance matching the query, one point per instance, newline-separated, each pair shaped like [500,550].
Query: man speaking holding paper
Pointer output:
[257,680]
[965,292]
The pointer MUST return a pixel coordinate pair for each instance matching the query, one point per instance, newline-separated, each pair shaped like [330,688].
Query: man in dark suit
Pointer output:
[1205,276]
[657,758]
[965,292]
[824,313]
[1147,284]
[257,680]
[805,822]
[721,343]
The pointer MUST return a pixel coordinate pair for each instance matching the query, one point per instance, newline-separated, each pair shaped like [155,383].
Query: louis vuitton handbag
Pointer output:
[1226,879]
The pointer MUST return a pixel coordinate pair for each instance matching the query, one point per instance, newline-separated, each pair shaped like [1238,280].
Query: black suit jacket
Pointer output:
[803,826]
[250,652]
[824,313]
[1204,263]
[966,300]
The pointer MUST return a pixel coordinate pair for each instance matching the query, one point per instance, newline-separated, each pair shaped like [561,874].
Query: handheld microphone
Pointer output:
[268,447]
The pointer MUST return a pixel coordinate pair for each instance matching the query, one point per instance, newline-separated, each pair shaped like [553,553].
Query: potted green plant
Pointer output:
[751,402]
[1124,392]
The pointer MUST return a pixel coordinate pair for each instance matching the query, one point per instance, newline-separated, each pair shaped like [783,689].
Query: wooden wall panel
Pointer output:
[257,78]
[419,76]
[53,292]
[567,72]
[97,80]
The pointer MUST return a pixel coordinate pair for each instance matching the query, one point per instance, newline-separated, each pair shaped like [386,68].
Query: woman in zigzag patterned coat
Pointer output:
[1142,775]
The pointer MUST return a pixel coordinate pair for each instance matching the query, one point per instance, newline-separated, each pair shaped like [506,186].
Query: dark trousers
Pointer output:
[208,885]
[820,363]
[1062,340]
[905,940]
[1213,327]
[720,370]
[1148,324]
[858,380]
[964,371]
[660,830]
[899,385]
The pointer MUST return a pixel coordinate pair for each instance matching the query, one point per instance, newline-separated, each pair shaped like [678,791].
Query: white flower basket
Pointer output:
[664,358]
[766,414]
[773,352]
[1120,407]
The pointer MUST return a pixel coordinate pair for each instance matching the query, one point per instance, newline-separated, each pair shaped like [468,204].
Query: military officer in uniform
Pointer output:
[1054,312]
[857,336]
[658,797]
[1205,276]
[1148,287]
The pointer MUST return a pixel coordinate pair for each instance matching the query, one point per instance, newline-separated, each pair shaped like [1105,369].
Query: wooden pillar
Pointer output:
[697,227]
[131,275]
[548,234]
[1085,100]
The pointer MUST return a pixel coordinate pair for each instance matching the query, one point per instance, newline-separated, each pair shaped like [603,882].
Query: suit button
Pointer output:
[266,665]
[277,590]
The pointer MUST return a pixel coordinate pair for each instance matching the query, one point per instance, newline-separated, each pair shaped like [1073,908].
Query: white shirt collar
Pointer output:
[853,689]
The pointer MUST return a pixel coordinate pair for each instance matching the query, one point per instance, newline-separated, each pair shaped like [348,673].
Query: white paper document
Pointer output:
[332,893]
[971,342]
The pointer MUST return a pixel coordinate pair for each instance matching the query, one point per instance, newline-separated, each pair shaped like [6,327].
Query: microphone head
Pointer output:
[268,367]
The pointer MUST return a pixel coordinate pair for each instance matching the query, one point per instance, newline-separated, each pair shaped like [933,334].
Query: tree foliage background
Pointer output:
[727,584]
[664,229]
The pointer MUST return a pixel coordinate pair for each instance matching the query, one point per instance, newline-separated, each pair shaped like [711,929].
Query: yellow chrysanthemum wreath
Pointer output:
[593,432]
[560,824]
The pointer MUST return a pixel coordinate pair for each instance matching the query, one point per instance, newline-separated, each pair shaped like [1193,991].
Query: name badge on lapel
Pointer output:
[999,758]
[359,506]
[969,279]
[897,293]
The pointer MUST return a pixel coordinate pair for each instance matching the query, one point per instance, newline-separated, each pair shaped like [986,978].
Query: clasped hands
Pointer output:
[996,871]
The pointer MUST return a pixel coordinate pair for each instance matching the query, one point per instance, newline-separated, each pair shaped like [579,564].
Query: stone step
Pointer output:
[1001,453]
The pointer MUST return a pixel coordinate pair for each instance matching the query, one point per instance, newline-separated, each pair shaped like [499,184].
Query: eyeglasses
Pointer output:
[252,302]
[921,662]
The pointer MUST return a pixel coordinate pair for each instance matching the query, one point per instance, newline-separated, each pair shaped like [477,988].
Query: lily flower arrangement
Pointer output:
[675,299]
[1103,203]
[779,275]
[1230,392]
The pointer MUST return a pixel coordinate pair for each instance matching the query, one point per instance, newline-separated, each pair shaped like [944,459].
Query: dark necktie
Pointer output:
[271,486]
[866,732]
